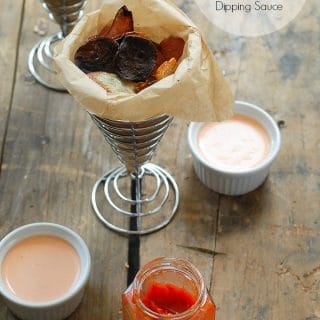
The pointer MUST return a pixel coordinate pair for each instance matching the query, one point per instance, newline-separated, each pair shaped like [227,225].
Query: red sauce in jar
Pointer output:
[168,299]
[168,288]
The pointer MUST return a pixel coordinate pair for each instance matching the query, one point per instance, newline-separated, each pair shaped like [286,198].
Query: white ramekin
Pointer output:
[236,182]
[56,309]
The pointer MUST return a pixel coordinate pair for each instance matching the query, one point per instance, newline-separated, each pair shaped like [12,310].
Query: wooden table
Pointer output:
[259,253]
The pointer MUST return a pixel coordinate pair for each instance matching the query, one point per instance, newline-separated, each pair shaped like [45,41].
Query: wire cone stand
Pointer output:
[139,197]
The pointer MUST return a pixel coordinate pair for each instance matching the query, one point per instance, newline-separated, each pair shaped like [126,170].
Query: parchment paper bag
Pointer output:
[196,91]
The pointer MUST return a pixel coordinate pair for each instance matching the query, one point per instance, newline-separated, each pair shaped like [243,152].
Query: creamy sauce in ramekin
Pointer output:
[41,268]
[238,143]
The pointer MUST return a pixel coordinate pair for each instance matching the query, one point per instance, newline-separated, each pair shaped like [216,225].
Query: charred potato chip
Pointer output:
[132,33]
[122,23]
[136,58]
[97,55]
[136,33]
[172,47]
[166,68]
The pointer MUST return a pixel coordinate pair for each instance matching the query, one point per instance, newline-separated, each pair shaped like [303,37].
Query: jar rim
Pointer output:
[174,264]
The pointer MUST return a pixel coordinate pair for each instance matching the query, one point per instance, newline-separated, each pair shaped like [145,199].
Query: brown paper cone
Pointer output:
[197,91]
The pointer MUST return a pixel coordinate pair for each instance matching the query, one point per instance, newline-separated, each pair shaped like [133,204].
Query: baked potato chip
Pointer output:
[129,54]
[111,82]
[122,23]
[105,30]
[166,68]
[144,84]
[172,47]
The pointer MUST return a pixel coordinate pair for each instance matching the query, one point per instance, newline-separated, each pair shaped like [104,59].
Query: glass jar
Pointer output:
[168,288]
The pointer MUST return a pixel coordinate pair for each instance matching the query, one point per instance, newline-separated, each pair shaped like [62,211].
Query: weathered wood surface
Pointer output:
[259,253]
[269,268]
[9,37]
[52,156]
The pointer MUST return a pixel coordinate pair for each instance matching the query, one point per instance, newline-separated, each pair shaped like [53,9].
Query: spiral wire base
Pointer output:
[134,144]
[40,62]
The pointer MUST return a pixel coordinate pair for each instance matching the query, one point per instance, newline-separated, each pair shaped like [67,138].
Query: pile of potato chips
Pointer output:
[131,55]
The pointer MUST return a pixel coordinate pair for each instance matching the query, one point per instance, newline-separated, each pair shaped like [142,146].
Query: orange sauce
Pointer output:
[41,268]
[238,143]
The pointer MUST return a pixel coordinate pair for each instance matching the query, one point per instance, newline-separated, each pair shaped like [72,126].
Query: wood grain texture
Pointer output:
[9,39]
[53,155]
[191,235]
[270,237]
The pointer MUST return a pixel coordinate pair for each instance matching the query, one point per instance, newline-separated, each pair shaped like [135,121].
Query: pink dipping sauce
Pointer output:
[237,143]
[41,268]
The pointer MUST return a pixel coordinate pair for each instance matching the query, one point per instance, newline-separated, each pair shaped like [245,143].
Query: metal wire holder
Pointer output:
[134,144]
[66,13]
